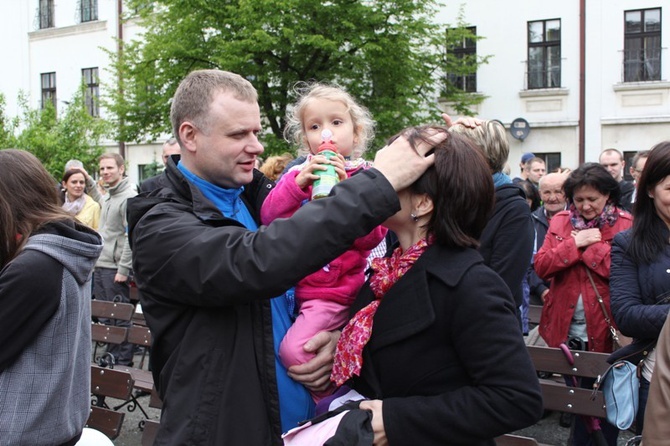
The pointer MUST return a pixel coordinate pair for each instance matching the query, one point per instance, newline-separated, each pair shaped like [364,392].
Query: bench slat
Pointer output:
[106,421]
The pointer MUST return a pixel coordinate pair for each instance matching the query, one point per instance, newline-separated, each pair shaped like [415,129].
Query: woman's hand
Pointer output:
[375,406]
[465,121]
[587,237]
[315,374]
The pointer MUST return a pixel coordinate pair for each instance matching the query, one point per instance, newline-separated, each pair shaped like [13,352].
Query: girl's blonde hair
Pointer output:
[307,92]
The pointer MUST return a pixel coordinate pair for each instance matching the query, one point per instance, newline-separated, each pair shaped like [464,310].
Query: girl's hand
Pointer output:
[338,163]
[375,406]
[307,176]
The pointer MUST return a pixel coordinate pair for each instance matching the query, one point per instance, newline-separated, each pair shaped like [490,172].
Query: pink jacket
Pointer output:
[340,279]
[560,260]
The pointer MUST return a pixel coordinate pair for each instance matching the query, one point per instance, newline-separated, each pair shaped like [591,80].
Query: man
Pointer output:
[638,163]
[523,167]
[110,281]
[553,202]
[613,161]
[536,170]
[170,147]
[209,276]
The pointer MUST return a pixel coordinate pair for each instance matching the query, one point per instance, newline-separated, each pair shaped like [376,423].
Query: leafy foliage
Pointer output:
[55,140]
[387,53]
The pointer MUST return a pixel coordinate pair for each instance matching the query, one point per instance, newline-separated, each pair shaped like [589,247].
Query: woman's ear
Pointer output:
[422,205]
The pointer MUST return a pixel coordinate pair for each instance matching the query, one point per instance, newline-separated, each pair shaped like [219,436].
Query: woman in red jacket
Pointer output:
[577,246]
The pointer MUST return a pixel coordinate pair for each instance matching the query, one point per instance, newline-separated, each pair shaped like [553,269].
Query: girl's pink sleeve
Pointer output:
[284,199]
[370,241]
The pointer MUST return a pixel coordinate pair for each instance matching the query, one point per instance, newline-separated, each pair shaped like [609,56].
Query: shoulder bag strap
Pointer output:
[615,336]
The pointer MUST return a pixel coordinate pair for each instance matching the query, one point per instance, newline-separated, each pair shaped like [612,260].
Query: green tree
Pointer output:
[55,140]
[7,126]
[387,53]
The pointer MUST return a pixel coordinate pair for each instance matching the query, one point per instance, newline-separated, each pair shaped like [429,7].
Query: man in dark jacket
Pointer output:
[209,275]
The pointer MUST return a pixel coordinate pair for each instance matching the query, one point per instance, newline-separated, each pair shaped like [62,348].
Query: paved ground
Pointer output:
[547,431]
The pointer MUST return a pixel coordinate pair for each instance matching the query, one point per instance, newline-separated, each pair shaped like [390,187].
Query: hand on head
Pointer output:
[401,164]
[465,121]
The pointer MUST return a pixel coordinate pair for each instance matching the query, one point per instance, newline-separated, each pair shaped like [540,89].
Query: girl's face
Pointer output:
[661,196]
[321,114]
[74,186]
[589,202]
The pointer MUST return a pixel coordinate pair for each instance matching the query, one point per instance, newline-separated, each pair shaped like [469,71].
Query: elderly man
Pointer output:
[214,281]
[170,147]
[553,202]
[613,161]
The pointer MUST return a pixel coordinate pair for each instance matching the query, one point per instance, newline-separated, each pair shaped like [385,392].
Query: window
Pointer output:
[552,160]
[48,89]
[46,13]
[91,92]
[642,45]
[89,10]
[463,55]
[544,54]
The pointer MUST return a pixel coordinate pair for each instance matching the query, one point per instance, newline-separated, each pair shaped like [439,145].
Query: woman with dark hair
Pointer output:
[640,283]
[575,255]
[46,262]
[444,361]
[75,200]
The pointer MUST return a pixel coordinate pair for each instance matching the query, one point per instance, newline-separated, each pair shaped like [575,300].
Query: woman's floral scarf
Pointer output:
[609,215]
[387,270]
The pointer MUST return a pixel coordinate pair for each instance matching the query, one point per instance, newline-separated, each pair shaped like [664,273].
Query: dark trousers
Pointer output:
[104,288]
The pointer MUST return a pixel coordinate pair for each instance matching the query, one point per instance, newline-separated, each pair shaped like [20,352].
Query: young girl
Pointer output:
[324,296]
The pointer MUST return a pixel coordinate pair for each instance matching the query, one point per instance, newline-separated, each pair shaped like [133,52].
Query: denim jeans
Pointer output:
[644,394]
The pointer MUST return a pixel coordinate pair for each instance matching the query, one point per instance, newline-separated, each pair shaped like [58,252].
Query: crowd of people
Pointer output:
[399,302]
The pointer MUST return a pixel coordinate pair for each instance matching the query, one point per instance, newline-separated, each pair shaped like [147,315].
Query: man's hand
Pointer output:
[401,164]
[315,374]
[120,278]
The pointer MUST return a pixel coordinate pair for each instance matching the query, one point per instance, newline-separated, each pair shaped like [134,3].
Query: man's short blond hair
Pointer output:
[491,138]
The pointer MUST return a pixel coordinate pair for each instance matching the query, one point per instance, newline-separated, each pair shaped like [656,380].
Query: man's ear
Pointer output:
[188,135]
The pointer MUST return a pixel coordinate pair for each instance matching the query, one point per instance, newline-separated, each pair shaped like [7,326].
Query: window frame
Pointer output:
[48,88]
[642,62]
[467,48]
[88,10]
[550,77]
[91,80]
[45,11]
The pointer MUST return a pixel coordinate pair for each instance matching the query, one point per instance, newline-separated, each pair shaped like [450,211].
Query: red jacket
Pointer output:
[560,260]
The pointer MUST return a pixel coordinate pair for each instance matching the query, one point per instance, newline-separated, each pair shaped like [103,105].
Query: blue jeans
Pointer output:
[644,394]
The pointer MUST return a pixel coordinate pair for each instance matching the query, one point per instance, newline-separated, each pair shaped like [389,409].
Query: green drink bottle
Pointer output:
[327,178]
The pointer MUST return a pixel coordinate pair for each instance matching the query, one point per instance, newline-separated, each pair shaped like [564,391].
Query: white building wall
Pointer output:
[626,116]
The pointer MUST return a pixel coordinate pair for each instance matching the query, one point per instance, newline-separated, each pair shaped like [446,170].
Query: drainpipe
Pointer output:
[582,80]
[119,50]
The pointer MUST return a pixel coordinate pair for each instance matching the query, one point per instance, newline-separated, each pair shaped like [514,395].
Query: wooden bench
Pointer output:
[103,334]
[559,396]
[113,384]
[150,426]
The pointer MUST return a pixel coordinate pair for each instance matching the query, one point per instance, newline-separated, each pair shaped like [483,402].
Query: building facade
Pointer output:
[568,79]
[582,75]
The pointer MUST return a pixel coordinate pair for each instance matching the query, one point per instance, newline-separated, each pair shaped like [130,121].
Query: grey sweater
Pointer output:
[45,334]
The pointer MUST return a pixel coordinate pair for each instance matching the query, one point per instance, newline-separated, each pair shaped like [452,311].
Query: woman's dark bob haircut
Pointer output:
[460,185]
[595,176]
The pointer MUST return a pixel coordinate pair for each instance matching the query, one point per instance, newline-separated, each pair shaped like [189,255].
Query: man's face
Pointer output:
[536,171]
[111,173]
[636,170]
[613,163]
[551,193]
[169,150]
[226,151]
